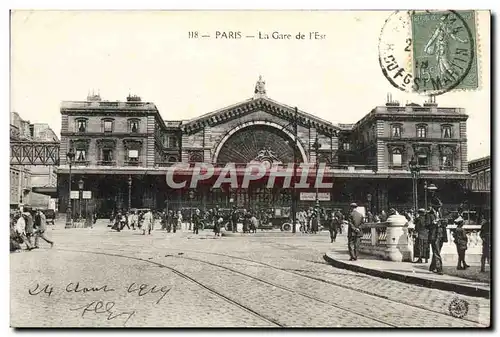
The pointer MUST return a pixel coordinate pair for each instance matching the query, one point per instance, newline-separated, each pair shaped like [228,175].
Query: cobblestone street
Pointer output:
[198,281]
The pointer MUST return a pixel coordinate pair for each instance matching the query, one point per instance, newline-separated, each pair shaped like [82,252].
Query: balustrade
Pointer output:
[393,240]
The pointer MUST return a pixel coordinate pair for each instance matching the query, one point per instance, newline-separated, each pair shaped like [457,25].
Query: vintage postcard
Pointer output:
[250,169]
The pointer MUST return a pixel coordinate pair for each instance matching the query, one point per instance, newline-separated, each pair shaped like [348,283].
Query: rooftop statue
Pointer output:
[260,87]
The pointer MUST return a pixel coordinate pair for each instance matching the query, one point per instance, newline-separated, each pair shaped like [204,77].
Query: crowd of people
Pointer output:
[427,228]
[28,226]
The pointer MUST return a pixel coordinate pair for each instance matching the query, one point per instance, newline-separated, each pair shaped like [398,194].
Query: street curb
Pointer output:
[441,285]
[269,234]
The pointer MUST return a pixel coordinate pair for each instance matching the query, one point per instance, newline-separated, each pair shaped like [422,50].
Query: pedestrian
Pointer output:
[179,220]
[234,220]
[485,236]
[41,228]
[253,223]
[315,221]
[116,225]
[148,222]
[341,220]
[196,221]
[15,238]
[461,243]
[354,231]
[436,238]
[21,231]
[28,217]
[131,220]
[124,221]
[421,247]
[333,226]
[246,221]
[169,221]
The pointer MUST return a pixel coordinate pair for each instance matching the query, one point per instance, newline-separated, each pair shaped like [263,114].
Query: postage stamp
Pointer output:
[444,55]
[430,52]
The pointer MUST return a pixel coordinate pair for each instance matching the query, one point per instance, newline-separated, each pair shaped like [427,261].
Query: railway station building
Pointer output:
[124,150]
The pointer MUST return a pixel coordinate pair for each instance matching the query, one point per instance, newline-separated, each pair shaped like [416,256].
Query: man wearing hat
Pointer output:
[437,235]
[460,242]
[234,220]
[422,250]
[354,231]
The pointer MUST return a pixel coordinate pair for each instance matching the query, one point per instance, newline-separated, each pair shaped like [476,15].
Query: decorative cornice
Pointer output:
[132,143]
[106,142]
[104,134]
[261,104]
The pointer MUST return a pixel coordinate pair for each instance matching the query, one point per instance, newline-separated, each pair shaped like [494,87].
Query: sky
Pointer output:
[60,56]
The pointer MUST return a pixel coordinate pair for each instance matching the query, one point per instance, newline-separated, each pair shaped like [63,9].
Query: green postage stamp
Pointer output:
[444,51]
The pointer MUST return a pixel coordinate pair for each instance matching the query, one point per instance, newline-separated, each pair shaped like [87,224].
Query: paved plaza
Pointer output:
[101,278]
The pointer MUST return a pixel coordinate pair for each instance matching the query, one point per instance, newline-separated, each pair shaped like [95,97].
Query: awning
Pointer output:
[50,191]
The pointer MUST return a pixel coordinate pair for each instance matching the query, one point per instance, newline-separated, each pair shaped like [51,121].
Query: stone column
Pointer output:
[397,241]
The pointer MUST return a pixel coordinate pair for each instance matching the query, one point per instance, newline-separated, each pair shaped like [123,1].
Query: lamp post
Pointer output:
[70,156]
[316,147]
[80,190]
[191,196]
[294,174]
[130,193]
[415,171]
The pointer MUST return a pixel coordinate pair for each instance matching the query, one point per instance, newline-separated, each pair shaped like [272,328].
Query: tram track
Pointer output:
[317,279]
[337,285]
[186,277]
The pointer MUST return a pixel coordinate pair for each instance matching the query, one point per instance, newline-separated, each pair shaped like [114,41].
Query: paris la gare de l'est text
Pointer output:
[275,35]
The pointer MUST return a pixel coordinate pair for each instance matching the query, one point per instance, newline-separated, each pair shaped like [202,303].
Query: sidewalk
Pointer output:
[272,233]
[469,282]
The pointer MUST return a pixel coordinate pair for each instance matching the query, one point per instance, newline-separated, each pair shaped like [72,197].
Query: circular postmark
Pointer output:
[458,308]
[429,52]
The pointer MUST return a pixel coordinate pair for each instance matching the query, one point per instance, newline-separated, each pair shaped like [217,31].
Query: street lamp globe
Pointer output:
[432,188]
[80,184]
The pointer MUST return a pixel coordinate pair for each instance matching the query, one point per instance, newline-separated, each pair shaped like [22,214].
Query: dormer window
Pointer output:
[81,125]
[446,131]
[422,131]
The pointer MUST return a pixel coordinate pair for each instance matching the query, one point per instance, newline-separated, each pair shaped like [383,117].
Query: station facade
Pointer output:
[123,151]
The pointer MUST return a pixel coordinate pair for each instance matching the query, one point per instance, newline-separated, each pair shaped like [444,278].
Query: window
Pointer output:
[133,155]
[133,125]
[396,130]
[107,125]
[397,157]
[172,141]
[422,159]
[107,155]
[81,125]
[446,160]
[421,131]
[346,146]
[81,155]
[446,157]
[446,131]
